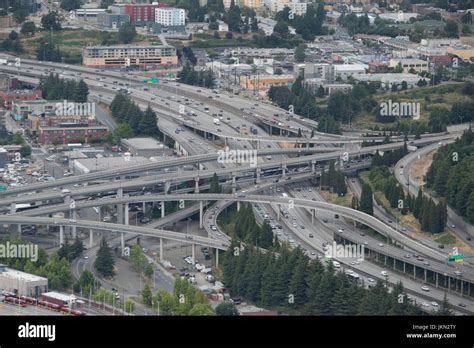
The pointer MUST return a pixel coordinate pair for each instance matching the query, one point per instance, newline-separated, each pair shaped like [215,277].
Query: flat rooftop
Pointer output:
[143,143]
[97,164]
[18,275]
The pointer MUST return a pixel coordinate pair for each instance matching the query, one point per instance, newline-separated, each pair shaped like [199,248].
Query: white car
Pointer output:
[384,273]
[425,288]
[435,304]
[425,304]
[370,280]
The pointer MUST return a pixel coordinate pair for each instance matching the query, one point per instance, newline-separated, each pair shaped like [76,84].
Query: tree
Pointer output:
[70,5]
[28,28]
[445,308]
[451,29]
[398,69]
[127,33]
[254,25]
[25,150]
[51,21]
[104,264]
[300,54]
[404,86]
[147,125]
[146,295]
[226,308]
[215,187]
[281,28]
[123,131]
[81,92]
[20,15]
[366,200]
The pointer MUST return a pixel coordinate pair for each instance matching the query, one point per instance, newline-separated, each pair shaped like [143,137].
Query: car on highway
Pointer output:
[381,245]
[425,304]
[384,273]
[463,305]
[435,304]
[425,288]
[370,280]
[311,235]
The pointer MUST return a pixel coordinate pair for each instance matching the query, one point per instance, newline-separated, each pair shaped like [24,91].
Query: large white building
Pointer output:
[170,17]
[22,283]
[344,71]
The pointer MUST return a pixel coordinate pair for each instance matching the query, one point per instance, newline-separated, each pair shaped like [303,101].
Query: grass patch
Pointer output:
[334,198]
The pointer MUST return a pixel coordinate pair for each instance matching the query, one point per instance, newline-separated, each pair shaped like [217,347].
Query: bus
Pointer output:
[74,146]
[25,206]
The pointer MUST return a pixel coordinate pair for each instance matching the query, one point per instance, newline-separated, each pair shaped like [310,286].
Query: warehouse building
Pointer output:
[21,283]
[146,147]
[129,56]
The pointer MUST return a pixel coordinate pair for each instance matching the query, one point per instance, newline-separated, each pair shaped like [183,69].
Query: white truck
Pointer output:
[217,122]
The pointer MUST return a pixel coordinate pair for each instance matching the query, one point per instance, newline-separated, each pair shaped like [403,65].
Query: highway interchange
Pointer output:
[295,166]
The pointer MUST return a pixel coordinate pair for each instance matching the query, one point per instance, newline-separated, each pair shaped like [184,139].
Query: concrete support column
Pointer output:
[120,207]
[283,170]
[414,271]
[234,184]
[238,205]
[193,252]
[425,274]
[144,207]
[167,186]
[437,279]
[61,236]
[201,208]
[122,241]
[162,210]
[462,287]
[404,268]
[449,283]
[217,257]
[278,212]
[196,186]
[74,230]
[161,249]
[127,215]
[91,238]
[312,215]
[394,264]
[12,208]
[257,176]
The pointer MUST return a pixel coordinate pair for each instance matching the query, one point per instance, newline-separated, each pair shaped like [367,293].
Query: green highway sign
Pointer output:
[455,257]
[3,188]
[151,80]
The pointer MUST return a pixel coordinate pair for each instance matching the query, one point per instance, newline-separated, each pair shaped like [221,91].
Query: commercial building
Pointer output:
[111,20]
[417,65]
[22,109]
[170,17]
[22,283]
[387,80]
[377,66]
[90,165]
[146,147]
[264,82]
[254,4]
[70,133]
[465,54]
[139,13]
[3,157]
[344,71]
[314,70]
[129,55]
[400,17]
[314,84]
[296,7]
[15,95]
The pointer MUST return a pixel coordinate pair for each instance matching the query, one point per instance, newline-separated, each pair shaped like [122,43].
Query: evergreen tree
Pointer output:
[366,200]
[104,264]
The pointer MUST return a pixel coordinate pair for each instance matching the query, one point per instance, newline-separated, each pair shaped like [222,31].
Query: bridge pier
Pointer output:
[12,208]
[217,257]
[167,186]
[234,184]
[193,253]
[74,230]
[120,207]
[201,208]
[437,279]
[278,212]
[257,175]
[312,216]
[61,236]
[283,170]
[161,249]
[91,238]
[425,274]
[144,207]
[196,185]
[238,205]
[122,242]
[127,214]
[313,167]
[162,210]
